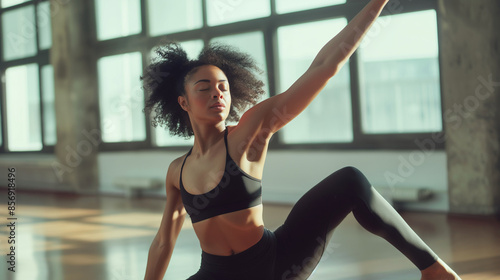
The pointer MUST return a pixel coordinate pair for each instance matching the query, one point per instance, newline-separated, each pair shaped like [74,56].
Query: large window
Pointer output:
[389,90]
[391,87]
[400,76]
[27,92]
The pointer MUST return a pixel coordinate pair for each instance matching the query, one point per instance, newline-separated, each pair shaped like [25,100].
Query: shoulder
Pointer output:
[174,171]
[246,142]
[230,128]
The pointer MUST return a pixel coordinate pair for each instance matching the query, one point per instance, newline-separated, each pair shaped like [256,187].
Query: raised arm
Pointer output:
[340,48]
[275,112]
[163,244]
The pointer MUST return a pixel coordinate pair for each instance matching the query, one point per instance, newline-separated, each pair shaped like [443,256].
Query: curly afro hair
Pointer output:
[164,80]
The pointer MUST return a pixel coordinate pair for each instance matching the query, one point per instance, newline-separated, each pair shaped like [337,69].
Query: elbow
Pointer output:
[327,69]
[333,66]
[332,71]
[160,241]
[159,245]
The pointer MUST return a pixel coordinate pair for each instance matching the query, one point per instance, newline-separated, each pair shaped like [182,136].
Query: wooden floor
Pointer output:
[87,237]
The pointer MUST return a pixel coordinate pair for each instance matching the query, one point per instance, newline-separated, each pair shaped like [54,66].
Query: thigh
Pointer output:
[307,230]
[197,276]
[202,275]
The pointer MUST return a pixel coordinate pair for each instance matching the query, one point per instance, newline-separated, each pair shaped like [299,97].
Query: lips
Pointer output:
[218,105]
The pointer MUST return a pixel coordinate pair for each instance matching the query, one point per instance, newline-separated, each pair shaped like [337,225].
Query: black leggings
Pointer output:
[294,249]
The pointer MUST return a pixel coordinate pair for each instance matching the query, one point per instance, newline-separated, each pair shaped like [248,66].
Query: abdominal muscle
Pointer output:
[230,233]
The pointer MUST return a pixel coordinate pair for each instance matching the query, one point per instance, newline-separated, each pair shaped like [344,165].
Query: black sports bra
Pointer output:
[236,190]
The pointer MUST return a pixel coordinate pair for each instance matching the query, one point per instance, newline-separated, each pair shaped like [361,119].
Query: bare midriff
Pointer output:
[230,233]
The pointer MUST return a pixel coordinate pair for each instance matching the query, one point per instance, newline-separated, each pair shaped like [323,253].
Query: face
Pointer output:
[207,97]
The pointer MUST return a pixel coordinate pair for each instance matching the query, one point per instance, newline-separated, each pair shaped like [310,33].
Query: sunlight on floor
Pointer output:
[109,239]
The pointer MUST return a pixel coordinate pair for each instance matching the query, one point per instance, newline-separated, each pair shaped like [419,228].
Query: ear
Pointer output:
[183,102]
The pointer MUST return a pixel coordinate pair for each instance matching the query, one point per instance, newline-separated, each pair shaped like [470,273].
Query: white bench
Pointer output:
[135,185]
[405,194]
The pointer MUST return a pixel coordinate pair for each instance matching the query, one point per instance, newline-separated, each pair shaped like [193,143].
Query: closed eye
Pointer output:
[223,87]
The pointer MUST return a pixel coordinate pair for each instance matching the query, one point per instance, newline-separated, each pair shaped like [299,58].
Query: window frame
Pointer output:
[41,58]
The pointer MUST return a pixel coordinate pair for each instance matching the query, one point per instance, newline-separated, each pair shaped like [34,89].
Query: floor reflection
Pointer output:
[84,237]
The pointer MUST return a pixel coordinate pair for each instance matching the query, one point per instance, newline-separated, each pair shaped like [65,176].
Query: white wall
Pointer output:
[289,174]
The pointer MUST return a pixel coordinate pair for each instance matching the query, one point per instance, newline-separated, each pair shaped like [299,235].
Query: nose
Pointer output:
[217,94]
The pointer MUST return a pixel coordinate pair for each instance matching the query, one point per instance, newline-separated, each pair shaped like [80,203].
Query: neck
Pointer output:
[205,137]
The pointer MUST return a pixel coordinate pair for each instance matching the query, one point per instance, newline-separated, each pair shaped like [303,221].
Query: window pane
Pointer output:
[117,18]
[45,33]
[329,117]
[121,98]
[18,33]
[227,11]
[287,6]
[400,88]
[192,48]
[162,138]
[168,16]
[49,114]
[253,44]
[8,3]
[23,108]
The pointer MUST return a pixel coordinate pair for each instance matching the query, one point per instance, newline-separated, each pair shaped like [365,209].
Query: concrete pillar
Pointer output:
[470,56]
[76,99]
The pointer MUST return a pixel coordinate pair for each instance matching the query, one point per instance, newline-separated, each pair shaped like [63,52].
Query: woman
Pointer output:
[218,181]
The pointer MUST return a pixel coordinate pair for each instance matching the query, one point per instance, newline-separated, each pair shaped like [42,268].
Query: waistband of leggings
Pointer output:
[263,247]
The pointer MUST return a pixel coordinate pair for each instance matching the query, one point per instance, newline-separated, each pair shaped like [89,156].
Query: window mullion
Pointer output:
[146,58]
[204,13]
[144,19]
[2,87]
[357,131]
[355,99]
[40,92]
[1,41]
[271,50]
[2,106]
[37,31]
[204,28]
[273,8]
[42,109]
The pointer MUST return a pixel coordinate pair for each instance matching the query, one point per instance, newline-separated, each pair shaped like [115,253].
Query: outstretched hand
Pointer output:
[339,49]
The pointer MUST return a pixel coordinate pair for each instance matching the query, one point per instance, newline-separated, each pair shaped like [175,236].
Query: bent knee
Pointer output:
[352,173]
[354,181]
